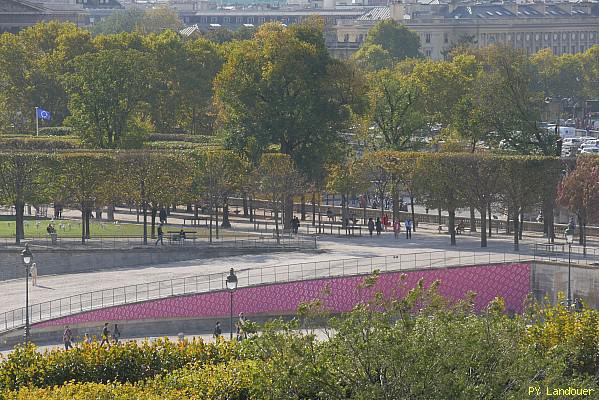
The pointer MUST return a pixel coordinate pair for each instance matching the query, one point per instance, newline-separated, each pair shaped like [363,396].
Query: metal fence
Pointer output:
[287,273]
[234,239]
[247,277]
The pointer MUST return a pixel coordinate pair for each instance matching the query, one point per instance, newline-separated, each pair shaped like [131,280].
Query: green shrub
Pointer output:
[56,131]
[128,362]
[39,143]
[173,137]
[174,146]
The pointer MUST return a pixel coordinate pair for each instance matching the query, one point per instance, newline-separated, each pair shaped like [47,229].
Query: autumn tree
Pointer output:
[579,192]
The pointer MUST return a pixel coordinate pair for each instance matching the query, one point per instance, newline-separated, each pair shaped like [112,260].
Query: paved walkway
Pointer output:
[331,248]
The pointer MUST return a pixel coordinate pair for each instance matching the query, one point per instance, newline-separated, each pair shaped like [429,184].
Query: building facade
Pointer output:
[19,14]
[565,28]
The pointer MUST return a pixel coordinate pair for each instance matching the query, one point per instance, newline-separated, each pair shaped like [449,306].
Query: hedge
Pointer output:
[39,143]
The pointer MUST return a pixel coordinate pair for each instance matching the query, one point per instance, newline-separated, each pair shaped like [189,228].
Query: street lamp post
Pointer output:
[569,239]
[27,256]
[231,286]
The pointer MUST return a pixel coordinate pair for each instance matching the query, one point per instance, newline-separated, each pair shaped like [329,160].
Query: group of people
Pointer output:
[379,226]
[67,336]
[240,327]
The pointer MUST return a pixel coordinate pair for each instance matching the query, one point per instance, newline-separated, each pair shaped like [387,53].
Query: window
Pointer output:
[527,37]
[261,20]
[360,38]
[518,37]
[582,36]
[346,37]
[250,20]
[213,20]
[555,36]
[226,20]
[428,53]
[239,20]
[445,38]
[537,37]
[555,50]
[546,36]
[427,37]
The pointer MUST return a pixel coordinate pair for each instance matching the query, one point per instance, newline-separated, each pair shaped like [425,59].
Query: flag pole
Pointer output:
[37,125]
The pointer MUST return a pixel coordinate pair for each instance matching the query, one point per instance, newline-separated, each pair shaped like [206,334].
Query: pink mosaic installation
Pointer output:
[510,281]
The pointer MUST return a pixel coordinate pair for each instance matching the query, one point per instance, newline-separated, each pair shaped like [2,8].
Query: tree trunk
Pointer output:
[395,203]
[584,238]
[313,209]
[483,225]
[507,223]
[287,212]
[245,206]
[440,215]
[210,229]
[216,219]
[521,227]
[516,231]
[472,220]
[153,222]
[451,225]
[226,223]
[490,220]
[110,213]
[145,212]
[19,218]
[413,214]
[83,212]
[87,218]
[252,211]
[548,216]
[343,210]
[277,225]
[303,208]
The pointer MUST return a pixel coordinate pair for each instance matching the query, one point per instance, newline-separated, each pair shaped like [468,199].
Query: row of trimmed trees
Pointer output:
[88,180]
[450,181]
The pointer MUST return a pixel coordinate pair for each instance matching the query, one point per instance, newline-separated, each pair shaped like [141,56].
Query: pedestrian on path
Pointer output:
[162,215]
[217,330]
[105,335]
[241,333]
[116,334]
[396,228]
[370,226]
[408,225]
[160,236]
[379,226]
[67,337]
[34,274]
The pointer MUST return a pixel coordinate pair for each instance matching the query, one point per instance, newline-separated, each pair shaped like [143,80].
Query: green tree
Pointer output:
[346,179]
[395,38]
[279,180]
[106,88]
[372,57]
[579,191]
[86,183]
[25,177]
[395,111]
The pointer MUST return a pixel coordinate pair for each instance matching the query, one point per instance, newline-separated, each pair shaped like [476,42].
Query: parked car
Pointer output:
[590,150]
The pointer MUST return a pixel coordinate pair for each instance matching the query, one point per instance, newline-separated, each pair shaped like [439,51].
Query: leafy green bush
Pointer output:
[128,362]
[173,137]
[56,131]
[418,347]
[174,145]
[39,143]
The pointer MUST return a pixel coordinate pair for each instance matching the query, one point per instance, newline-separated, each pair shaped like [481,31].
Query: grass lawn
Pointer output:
[72,228]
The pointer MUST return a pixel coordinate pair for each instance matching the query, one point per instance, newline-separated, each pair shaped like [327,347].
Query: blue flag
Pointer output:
[43,114]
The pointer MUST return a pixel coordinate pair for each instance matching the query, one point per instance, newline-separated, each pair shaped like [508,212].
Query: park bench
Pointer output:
[175,237]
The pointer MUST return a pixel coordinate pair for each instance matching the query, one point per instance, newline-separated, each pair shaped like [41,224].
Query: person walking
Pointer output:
[408,225]
[160,236]
[379,226]
[370,226]
[297,224]
[217,330]
[105,335]
[396,228]
[162,215]
[67,337]
[116,334]
[240,328]
[34,274]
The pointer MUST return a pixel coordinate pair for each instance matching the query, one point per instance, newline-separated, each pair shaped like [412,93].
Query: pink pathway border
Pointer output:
[510,281]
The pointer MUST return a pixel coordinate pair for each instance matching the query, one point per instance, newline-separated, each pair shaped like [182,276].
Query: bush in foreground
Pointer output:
[418,347]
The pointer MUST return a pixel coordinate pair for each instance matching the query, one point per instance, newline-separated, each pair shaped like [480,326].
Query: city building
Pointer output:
[563,27]
[19,14]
